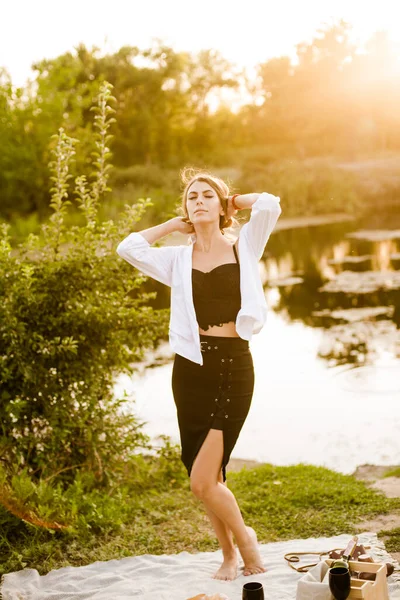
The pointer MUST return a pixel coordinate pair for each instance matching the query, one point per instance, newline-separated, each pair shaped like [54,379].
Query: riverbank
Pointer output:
[175,239]
[281,503]
[314,191]
[380,478]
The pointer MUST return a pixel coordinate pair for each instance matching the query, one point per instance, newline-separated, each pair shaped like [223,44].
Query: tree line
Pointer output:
[336,100]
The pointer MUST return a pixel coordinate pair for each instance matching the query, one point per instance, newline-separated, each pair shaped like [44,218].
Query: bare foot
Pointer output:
[228,569]
[251,556]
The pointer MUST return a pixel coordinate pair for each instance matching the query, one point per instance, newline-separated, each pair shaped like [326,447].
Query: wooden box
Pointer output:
[365,589]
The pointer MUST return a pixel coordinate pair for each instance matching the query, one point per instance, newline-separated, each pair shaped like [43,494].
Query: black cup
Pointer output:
[340,582]
[253,591]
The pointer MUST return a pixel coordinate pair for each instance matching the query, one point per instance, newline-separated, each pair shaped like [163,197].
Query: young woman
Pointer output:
[217,303]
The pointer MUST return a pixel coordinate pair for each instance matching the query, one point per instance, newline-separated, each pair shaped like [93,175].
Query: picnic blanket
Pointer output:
[181,576]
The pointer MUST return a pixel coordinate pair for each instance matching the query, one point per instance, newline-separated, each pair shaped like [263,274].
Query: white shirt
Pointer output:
[172,265]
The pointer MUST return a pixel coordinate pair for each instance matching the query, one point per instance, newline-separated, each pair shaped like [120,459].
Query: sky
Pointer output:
[246,32]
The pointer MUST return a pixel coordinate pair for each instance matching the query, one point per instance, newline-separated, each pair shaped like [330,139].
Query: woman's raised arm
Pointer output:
[152,234]
[265,212]
[155,262]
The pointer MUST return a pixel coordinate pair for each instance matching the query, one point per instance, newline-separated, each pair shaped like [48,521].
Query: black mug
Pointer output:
[339,582]
[253,591]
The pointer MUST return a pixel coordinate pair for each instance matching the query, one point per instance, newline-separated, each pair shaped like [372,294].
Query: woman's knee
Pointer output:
[205,471]
[202,487]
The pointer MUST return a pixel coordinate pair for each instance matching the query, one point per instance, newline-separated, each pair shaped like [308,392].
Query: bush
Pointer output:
[71,318]
[82,508]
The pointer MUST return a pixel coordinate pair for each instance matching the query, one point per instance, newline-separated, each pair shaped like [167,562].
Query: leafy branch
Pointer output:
[88,201]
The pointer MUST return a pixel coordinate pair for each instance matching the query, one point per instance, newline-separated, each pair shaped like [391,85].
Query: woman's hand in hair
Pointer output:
[230,210]
[182,225]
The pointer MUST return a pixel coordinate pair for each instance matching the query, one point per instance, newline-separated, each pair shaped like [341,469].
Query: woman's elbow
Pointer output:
[121,249]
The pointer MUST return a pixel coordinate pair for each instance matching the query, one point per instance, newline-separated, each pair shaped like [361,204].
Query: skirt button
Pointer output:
[226,416]
[215,347]
[222,360]
[212,414]
[209,347]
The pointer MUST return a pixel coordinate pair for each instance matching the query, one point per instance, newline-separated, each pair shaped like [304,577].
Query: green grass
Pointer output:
[279,502]
[393,473]
[392,539]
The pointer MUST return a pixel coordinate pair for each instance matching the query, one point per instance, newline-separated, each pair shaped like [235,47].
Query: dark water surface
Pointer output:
[327,362]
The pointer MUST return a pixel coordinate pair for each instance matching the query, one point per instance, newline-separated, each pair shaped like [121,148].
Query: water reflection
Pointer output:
[343,278]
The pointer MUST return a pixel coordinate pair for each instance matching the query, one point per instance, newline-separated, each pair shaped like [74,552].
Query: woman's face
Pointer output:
[203,204]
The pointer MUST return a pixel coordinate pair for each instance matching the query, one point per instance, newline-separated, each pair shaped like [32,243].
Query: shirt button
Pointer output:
[209,347]
[212,414]
[222,360]
[231,359]
[216,399]
[227,400]
[226,416]
[215,347]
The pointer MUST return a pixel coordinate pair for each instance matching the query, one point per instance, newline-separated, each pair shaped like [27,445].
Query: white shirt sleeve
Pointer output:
[154,262]
[264,215]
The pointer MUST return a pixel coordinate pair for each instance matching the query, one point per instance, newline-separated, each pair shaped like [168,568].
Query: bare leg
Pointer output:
[228,569]
[220,500]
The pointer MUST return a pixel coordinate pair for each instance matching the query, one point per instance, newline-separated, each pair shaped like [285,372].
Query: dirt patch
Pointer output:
[379,523]
[390,486]
[373,472]
[374,476]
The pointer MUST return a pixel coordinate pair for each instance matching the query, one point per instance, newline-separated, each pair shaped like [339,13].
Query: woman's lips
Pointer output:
[199,210]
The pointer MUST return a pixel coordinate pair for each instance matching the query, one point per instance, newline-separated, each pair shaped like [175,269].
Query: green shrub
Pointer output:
[72,316]
[81,507]
[151,176]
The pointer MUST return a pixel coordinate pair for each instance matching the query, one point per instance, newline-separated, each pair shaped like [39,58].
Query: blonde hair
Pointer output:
[188,176]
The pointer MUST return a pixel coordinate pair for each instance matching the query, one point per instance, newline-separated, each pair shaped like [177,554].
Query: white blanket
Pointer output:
[180,576]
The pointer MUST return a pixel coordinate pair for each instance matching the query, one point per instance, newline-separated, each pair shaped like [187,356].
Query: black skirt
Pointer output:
[215,395]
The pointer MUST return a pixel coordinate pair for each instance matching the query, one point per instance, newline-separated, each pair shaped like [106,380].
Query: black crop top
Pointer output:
[216,294]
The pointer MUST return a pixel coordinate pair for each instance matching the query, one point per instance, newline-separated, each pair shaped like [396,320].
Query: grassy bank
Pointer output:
[279,502]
